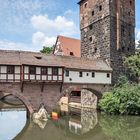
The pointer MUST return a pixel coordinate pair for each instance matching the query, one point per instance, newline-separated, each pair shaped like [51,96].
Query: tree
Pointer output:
[47,50]
[133,63]
[123,99]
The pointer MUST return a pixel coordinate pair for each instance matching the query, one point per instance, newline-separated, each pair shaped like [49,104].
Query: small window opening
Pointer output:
[90,27]
[93,74]
[71,53]
[93,13]
[80,74]
[90,39]
[10,69]
[108,75]
[85,5]
[87,74]
[67,73]
[100,8]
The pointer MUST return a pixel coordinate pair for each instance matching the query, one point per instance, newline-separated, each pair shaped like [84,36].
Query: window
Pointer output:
[67,73]
[76,93]
[44,71]
[85,5]
[87,74]
[71,53]
[100,8]
[107,75]
[54,71]
[10,69]
[80,74]
[90,39]
[90,27]
[93,74]
[92,13]
[32,70]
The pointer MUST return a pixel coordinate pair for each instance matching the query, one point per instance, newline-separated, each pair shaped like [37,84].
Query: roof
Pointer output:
[39,59]
[69,45]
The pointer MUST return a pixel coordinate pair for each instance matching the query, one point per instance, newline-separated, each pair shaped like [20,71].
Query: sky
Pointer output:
[31,24]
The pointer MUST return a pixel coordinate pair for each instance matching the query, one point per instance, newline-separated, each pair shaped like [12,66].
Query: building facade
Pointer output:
[107,31]
[67,46]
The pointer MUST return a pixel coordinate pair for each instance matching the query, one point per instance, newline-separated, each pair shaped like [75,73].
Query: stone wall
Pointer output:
[99,34]
[88,99]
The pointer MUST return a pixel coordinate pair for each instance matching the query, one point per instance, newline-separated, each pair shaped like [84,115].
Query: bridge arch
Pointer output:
[89,96]
[22,98]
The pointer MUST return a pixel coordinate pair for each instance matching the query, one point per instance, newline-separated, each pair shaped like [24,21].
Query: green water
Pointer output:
[73,124]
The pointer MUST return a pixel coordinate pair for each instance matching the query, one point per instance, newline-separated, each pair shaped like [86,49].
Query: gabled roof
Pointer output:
[39,59]
[68,45]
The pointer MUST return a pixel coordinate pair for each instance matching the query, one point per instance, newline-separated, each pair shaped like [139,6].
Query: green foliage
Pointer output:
[133,63]
[123,99]
[47,50]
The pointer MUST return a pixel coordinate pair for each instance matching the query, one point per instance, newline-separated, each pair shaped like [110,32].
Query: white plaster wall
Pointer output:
[44,77]
[32,77]
[100,78]
[54,77]
[38,77]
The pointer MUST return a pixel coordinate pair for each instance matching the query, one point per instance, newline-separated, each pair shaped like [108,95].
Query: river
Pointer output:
[71,124]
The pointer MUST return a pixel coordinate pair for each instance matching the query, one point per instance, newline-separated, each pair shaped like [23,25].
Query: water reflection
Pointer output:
[70,124]
[121,127]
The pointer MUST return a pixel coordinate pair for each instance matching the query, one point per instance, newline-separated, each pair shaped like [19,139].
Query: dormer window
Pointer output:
[38,57]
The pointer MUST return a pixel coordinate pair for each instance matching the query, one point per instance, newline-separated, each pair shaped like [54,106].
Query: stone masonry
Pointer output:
[107,31]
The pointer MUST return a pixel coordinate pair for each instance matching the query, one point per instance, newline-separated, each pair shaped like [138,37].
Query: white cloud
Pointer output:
[59,25]
[40,39]
[10,45]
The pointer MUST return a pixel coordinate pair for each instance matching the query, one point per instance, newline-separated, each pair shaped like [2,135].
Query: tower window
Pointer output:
[100,8]
[80,74]
[92,13]
[85,5]
[90,27]
[90,39]
[10,69]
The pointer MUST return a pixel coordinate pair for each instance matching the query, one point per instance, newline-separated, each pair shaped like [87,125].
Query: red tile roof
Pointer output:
[68,46]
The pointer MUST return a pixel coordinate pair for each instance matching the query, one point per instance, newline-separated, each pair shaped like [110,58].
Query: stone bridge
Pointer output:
[35,94]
